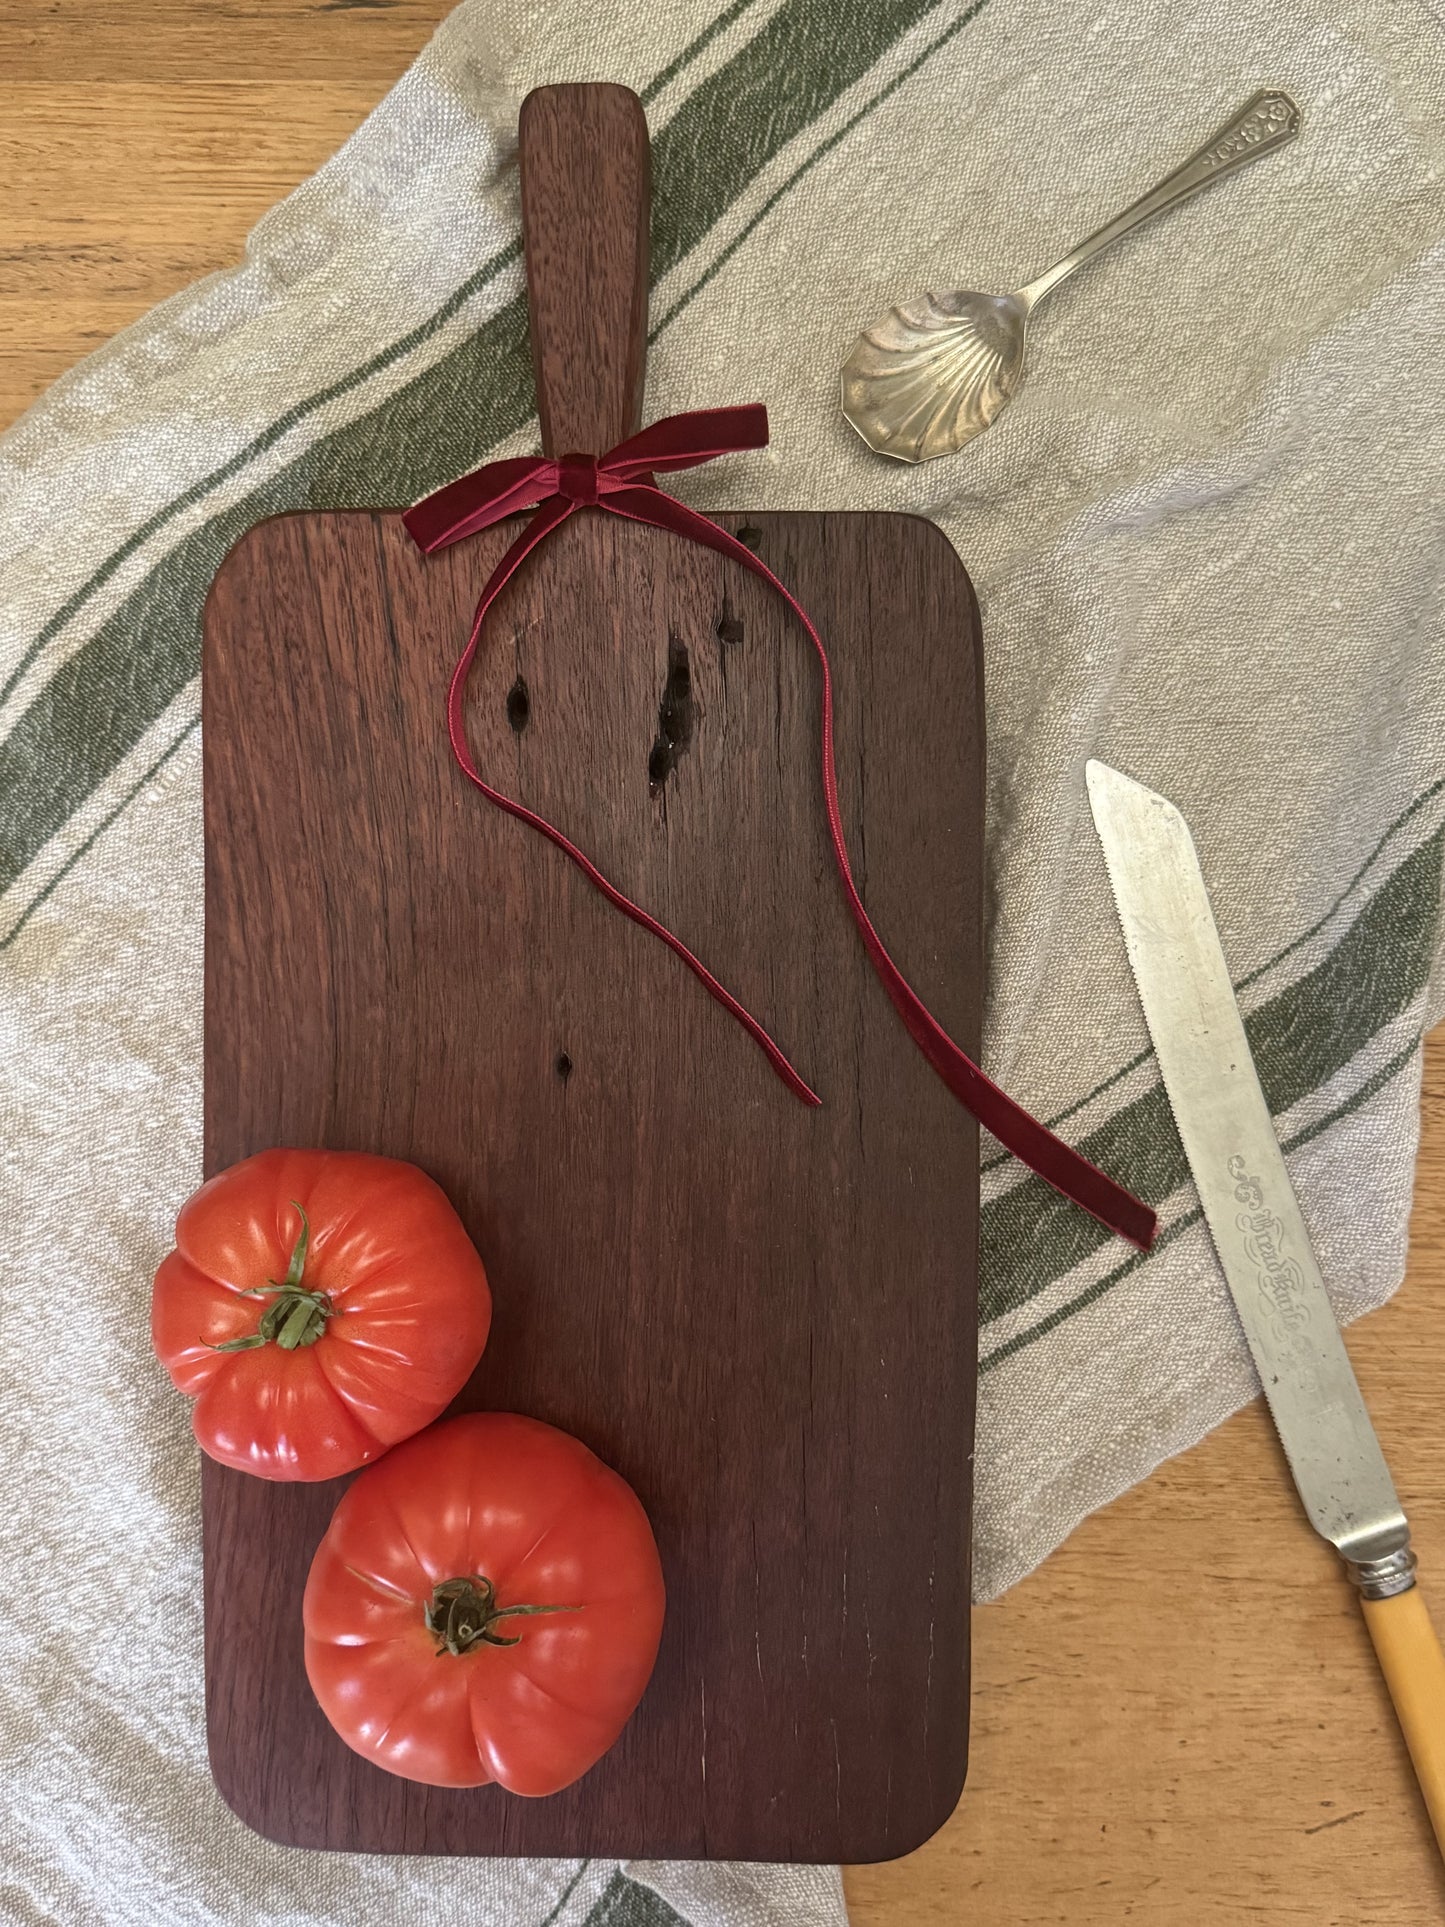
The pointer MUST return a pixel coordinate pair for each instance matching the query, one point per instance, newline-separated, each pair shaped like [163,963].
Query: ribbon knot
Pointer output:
[621,482]
[577,479]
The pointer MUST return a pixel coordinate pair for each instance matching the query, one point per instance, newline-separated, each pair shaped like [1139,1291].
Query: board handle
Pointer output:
[586,195]
[1408,1650]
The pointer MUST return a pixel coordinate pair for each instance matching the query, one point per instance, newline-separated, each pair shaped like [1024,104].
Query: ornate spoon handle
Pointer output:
[1261,125]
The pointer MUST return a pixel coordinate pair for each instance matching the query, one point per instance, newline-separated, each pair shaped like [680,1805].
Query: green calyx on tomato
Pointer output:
[497,1494]
[296,1316]
[307,1356]
[461,1613]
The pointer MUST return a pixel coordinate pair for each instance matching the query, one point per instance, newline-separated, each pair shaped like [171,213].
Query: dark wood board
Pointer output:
[763,1316]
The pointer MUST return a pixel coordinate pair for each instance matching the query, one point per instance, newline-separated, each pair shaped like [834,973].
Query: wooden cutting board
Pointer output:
[763,1315]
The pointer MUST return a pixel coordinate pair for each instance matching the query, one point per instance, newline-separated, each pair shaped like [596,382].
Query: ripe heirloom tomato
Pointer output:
[319,1306]
[486,1605]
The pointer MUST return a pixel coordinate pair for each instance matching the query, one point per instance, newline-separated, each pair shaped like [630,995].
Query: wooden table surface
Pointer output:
[1176,1720]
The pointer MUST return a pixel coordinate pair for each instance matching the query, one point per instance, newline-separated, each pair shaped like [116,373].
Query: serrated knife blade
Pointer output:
[1262,1244]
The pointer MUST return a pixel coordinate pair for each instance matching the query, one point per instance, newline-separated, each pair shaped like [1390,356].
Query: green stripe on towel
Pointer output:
[1030,1237]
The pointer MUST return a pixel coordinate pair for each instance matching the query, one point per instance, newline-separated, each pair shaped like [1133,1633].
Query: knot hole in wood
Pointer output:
[674,717]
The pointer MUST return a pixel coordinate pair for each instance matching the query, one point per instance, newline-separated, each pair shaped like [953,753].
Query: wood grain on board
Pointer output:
[586,200]
[761,1314]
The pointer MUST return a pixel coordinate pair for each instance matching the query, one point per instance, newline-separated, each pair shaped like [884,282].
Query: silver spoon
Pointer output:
[936,370]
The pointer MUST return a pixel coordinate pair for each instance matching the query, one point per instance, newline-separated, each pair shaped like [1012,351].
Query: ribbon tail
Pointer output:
[1057,1163]
[549,517]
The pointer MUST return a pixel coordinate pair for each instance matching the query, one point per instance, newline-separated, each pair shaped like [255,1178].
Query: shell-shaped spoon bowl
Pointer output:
[934,371]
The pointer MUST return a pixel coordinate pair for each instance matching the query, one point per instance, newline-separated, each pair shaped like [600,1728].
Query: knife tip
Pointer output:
[1102,777]
[1125,810]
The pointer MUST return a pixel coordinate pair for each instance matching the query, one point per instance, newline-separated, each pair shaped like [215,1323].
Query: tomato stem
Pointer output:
[296,1316]
[462,1612]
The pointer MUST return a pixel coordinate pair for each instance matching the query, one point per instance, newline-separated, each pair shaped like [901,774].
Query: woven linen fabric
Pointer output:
[1207,543]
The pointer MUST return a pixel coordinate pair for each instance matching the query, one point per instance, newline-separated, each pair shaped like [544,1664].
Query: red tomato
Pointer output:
[486,1605]
[318,1307]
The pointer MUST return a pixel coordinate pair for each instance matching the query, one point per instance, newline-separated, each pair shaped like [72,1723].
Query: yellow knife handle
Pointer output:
[1408,1649]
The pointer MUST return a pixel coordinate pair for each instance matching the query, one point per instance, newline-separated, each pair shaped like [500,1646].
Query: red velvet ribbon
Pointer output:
[622,482]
